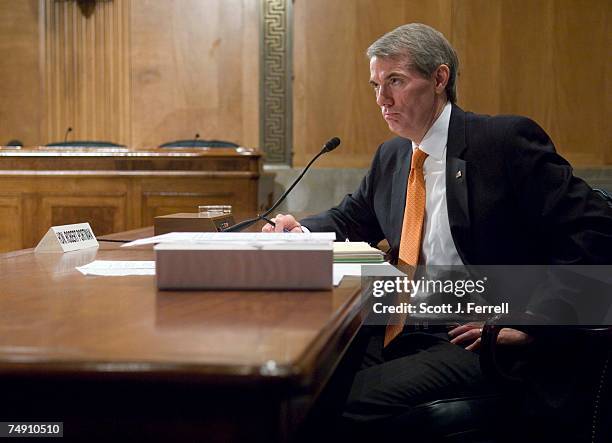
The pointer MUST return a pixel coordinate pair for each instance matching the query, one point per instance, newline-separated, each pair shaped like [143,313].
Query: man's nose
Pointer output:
[383,98]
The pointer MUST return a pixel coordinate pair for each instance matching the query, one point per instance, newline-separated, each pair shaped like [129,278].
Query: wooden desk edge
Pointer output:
[345,323]
[86,151]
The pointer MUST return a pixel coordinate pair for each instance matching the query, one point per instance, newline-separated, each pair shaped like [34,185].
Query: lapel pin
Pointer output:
[458,174]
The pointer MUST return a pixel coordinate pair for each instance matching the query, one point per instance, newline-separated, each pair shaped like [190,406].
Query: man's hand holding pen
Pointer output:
[282,223]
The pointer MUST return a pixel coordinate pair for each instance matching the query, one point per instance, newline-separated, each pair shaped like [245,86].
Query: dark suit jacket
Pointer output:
[511,198]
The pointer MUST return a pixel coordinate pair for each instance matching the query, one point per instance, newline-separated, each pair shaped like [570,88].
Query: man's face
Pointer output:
[406,98]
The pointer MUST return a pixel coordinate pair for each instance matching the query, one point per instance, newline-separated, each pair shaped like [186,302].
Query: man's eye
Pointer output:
[395,81]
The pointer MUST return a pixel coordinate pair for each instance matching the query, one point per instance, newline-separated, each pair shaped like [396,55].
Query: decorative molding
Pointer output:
[85,70]
[276,77]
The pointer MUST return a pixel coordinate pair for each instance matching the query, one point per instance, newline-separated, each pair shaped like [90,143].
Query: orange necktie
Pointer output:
[412,232]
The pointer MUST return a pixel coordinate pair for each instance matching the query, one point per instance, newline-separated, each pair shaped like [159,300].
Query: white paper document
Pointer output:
[356,252]
[236,238]
[354,269]
[118,268]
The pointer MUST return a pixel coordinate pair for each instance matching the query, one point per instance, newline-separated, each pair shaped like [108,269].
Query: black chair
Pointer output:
[480,418]
[85,143]
[605,194]
[573,362]
[197,143]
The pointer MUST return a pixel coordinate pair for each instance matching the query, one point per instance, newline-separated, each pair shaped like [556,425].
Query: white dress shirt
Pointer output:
[437,247]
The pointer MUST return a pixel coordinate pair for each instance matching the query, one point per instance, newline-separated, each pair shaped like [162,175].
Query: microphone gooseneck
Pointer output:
[68,131]
[327,147]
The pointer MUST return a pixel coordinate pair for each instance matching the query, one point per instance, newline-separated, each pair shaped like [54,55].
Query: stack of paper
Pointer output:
[356,252]
[242,240]
[118,268]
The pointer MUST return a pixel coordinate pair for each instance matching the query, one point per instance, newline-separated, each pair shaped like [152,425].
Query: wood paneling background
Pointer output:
[137,72]
[547,59]
[142,72]
[195,70]
[21,109]
[86,71]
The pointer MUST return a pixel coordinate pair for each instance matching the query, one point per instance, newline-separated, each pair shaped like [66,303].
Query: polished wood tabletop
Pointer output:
[55,320]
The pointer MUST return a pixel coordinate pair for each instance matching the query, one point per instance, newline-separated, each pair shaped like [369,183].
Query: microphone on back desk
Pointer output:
[68,131]
[195,139]
[327,147]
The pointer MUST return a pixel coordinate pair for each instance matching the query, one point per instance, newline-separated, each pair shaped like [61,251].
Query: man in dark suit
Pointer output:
[494,192]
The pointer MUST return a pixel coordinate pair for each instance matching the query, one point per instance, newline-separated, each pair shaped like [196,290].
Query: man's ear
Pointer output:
[441,76]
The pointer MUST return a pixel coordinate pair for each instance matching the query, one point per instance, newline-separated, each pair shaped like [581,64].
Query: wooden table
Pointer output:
[116,189]
[113,358]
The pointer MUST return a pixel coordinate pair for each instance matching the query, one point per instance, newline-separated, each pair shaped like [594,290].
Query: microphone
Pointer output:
[195,139]
[327,147]
[68,131]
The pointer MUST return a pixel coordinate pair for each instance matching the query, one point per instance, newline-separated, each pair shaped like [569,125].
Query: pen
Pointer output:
[272,223]
[268,220]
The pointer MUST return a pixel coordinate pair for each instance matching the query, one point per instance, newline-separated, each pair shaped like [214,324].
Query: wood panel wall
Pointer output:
[136,72]
[195,70]
[547,59]
[21,110]
[86,71]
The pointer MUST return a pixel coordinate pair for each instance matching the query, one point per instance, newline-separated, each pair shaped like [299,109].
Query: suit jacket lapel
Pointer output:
[457,170]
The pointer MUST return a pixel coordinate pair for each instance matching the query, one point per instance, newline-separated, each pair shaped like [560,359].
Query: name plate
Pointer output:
[67,238]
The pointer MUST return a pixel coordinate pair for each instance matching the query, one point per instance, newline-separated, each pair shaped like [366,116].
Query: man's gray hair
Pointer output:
[426,48]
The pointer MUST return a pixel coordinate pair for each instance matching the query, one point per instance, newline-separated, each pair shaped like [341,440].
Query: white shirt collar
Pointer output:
[434,142]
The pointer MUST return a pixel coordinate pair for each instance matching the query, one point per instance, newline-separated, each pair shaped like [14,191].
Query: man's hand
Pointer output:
[284,223]
[470,334]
